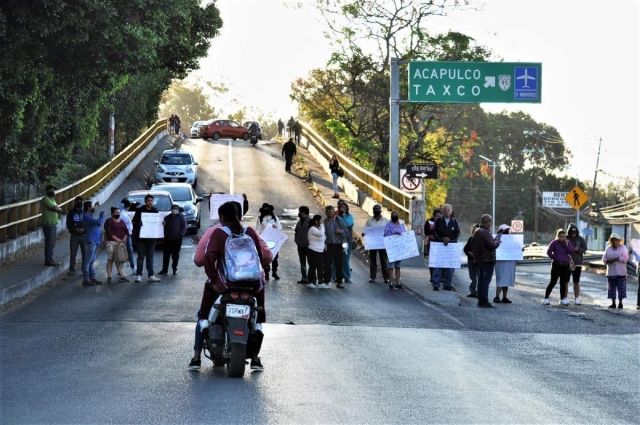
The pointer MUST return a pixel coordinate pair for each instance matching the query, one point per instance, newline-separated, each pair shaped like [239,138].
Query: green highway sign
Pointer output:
[475,82]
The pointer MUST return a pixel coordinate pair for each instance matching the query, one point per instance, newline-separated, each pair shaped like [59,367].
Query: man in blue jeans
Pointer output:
[91,228]
[446,230]
[145,247]
[483,247]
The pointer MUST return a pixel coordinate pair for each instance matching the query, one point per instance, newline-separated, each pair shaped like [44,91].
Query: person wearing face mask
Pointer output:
[91,227]
[145,247]
[49,222]
[334,230]
[395,227]
[446,230]
[301,239]
[175,227]
[378,220]
[349,221]
[76,232]
[116,233]
[125,205]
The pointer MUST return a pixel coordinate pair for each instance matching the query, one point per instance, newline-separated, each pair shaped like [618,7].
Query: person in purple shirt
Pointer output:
[559,251]
[395,227]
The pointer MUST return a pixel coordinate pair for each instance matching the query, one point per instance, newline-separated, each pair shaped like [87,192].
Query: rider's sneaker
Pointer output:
[153,279]
[194,365]
[256,364]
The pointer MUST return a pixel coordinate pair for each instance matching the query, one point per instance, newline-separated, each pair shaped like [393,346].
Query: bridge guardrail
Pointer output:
[22,217]
[382,191]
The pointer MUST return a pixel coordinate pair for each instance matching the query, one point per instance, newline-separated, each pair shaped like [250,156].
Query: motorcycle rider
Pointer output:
[215,246]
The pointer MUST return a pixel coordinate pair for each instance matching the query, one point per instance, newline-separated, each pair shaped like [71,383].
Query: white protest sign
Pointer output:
[152,227]
[510,248]
[373,238]
[400,247]
[274,238]
[445,257]
[218,199]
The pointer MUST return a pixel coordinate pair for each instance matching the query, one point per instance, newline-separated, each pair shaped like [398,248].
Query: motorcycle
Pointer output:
[253,137]
[231,334]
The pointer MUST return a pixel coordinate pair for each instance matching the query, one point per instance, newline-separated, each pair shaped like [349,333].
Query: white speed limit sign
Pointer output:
[517,226]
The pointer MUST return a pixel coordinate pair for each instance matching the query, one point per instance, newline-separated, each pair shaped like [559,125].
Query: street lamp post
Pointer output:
[493,201]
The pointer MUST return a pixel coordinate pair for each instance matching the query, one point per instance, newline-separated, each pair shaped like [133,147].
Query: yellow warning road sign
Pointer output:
[576,198]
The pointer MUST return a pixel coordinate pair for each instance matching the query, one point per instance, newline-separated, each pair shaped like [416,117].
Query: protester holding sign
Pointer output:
[395,227]
[378,220]
[505,273]
[315,253]
[145,247]
[446,230]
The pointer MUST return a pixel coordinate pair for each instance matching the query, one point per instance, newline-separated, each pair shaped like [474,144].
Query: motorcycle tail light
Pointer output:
[238,333]
[234,295]
[244,295]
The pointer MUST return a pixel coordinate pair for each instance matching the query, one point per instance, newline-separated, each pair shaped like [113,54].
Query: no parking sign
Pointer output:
[517,226]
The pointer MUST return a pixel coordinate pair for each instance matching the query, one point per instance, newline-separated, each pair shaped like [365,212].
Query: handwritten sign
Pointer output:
[217,199]
[510,248]
[373,238]
[446,257]
[152,227]
[274,238]
[400,247]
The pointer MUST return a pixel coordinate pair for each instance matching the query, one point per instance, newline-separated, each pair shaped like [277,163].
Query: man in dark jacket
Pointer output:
[446,230]
[74,225]
[288,150]
[483,247]
[471,265]
[175,227]
[302,240]
[579,248]
[145,247]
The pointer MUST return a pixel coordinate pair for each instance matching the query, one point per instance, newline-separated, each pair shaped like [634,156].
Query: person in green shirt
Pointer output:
[50,218]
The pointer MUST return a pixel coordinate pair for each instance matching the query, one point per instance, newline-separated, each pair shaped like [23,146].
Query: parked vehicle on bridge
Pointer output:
[176,166]
[535,250]
[258,128]
[194,129]
[184,196]
[162,200]
[219,129]
[230,331]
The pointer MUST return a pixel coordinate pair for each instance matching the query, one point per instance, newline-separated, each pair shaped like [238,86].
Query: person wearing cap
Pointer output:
[616,257]
[446,230]
[92,240]
[334,230]
[76,232]
[579,248]
[471,266]
[505,272]
[49,222]
[378,220]
[559,251]
[395,227]
[484,246]
[268,218]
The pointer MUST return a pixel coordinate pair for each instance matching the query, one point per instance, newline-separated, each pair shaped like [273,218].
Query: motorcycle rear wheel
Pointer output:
[235,367]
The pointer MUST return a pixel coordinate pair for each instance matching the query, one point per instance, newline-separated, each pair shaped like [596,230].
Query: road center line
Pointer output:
[230,152]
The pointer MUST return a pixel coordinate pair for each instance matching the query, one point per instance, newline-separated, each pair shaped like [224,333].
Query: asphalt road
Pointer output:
[118,353]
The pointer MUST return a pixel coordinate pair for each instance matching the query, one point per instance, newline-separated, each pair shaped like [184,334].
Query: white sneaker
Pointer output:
[564,302]
[323,286]
[577,301]
[545,301]
[138,278]
[153,279]
[311,285]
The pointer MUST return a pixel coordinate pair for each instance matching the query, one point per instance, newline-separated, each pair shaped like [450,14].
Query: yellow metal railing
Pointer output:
[22,217]
[382,191]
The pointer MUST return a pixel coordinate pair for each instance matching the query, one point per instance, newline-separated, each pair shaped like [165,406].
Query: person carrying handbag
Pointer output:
[116,236]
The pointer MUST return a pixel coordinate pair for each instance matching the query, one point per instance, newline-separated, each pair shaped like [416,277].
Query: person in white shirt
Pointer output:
[266,219]
[315,254]
[378,221]
[124,216]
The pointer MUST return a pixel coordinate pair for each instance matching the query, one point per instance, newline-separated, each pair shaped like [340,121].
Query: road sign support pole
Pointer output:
[394,121]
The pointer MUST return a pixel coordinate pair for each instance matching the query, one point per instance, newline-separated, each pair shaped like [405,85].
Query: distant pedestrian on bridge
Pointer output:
[288,151]
[334,168]
[297,131]
[290,125]
[280,128]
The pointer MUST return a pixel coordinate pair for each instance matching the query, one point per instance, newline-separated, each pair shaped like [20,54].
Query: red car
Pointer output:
[219,129]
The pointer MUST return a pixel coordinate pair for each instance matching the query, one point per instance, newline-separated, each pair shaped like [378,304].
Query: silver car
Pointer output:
[194,129]
[189,203]
[176,166]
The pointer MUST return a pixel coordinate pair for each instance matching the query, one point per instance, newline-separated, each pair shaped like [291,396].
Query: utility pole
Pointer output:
[394,121]
[535,203]
[593,189]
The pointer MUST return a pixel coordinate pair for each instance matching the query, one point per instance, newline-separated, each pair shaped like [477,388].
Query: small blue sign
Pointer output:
[526,82]
[587,232]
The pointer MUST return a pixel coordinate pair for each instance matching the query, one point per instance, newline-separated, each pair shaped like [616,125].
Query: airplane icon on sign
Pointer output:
[526,77]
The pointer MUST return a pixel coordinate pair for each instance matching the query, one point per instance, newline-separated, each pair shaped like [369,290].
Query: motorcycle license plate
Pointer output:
[239,311]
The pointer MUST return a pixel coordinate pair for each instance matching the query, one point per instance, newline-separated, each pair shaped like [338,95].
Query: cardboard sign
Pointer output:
[373,238]
[446,257]
[510,247]
[217,199]
[152,227]
[401,246]
[274,238]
